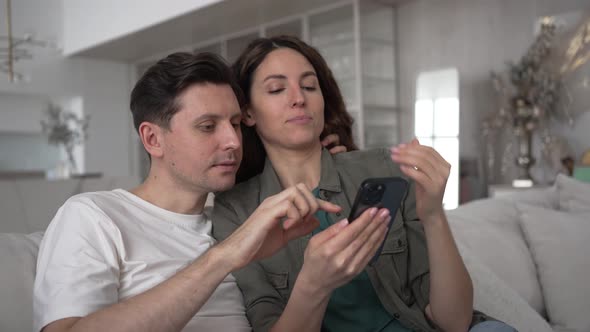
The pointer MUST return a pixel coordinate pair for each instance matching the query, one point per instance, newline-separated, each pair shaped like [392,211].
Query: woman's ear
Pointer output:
[249,119]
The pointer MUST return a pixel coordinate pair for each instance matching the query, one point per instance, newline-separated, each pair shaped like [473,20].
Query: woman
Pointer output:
[323,281]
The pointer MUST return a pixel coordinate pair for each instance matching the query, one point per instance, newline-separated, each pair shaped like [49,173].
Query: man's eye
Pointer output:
[207,127]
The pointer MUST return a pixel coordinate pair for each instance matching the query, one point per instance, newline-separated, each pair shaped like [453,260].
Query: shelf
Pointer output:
[381,107]
[373,40]
[378,78]
[333,42]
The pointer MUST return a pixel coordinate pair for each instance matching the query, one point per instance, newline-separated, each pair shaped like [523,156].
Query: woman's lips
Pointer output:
[302,119]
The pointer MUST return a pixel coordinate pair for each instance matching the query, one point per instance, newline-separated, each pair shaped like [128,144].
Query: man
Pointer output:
[144,260]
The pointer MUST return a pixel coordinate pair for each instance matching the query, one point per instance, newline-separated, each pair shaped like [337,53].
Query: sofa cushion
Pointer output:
[18,259]
[493,297]
[574,195]
[559,244]
[490,230]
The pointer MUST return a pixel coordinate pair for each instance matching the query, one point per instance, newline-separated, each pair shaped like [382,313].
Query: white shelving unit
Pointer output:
[358,40]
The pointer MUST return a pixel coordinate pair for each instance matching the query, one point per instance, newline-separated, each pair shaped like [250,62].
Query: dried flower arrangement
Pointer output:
[65,129]
[527,104]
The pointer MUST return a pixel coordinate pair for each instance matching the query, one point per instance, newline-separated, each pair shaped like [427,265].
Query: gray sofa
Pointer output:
[527,254]
[27,207]
[489,234]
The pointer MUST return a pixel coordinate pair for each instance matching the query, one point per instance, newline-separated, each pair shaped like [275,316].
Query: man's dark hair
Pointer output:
[155,96]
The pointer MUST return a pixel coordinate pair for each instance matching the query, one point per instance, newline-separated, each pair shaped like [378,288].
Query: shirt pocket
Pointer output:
[393,260]
[279,280]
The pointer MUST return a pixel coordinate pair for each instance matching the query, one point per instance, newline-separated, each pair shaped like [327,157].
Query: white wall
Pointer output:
[475,36]
[89,23]
[103,87]
[21,114]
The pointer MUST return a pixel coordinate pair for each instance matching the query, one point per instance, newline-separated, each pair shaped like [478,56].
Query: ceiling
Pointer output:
[207,23]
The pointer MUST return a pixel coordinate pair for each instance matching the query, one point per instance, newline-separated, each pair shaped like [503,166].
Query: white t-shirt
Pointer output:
[104,247]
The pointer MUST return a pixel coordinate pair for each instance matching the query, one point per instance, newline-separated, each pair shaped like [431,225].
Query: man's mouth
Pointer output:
[228,165]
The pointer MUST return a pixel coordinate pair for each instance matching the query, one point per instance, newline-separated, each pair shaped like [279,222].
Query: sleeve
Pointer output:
[264,303]
[418,265]
[77,267]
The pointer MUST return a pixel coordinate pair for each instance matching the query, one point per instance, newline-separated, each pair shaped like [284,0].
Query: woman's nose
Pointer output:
[297,98]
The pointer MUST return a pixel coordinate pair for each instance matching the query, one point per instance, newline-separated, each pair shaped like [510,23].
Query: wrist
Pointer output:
[435,219]
[217,255]
[310,289]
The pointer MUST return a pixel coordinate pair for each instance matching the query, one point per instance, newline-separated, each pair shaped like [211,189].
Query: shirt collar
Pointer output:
[329,179]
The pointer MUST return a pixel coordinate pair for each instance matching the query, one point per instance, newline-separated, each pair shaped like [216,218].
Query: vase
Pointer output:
[65,166]
[524,158]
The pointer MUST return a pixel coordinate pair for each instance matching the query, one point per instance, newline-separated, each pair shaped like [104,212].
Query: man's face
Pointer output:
[203,148]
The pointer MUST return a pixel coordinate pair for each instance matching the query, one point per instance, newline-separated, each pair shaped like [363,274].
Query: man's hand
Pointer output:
[430,171]
[278,220]
[331,142]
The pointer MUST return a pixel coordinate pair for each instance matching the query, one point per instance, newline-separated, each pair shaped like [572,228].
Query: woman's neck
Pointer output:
[297,166]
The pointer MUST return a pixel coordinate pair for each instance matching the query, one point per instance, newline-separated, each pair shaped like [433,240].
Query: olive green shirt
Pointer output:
[400,276]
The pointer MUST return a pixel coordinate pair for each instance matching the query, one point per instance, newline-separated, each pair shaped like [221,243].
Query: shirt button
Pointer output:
[396,315]
[338,214]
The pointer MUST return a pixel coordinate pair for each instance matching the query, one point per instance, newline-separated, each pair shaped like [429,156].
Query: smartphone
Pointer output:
[380,193]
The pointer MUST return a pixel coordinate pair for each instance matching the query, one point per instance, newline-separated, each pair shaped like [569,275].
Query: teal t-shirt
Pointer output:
[355,306]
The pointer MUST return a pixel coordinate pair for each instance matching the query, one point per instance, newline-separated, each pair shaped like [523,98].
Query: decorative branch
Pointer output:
[66,129]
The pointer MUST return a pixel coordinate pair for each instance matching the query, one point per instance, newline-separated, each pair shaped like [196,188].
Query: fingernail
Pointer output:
[343,222]
[373,212]
[402,145]
[395,150]
[384,213]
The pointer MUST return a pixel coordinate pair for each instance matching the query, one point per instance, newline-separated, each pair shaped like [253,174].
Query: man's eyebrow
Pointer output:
[215,116]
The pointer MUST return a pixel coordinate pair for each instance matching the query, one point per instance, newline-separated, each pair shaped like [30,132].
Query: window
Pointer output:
[436,122]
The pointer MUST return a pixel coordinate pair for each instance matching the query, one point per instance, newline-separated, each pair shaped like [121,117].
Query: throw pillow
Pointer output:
[494,297]
[574,195]
[559,245]
[490,230]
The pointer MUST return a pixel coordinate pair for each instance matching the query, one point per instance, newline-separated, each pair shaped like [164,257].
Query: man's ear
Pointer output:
[152,138]
[249,119]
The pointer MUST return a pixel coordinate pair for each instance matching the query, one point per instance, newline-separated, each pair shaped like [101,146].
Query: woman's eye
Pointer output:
[309,88]
[275,91]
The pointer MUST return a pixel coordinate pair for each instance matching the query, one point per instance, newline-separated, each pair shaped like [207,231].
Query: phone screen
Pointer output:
[381,193]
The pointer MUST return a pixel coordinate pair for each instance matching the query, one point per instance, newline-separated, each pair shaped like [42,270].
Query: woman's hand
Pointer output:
[333,140]
[339,253]
[430,172]
[277,220]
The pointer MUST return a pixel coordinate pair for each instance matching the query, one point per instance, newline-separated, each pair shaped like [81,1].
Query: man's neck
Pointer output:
[166,194]
[297,166]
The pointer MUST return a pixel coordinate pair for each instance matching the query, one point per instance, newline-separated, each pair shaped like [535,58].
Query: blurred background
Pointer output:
[450,72]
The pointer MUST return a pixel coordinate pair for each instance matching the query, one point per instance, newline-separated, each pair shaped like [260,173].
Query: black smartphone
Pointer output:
[380,193]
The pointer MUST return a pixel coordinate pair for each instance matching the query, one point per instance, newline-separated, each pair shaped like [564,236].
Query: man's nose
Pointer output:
[230,138]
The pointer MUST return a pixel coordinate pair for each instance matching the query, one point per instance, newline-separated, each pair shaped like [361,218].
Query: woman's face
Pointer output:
[286,102]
